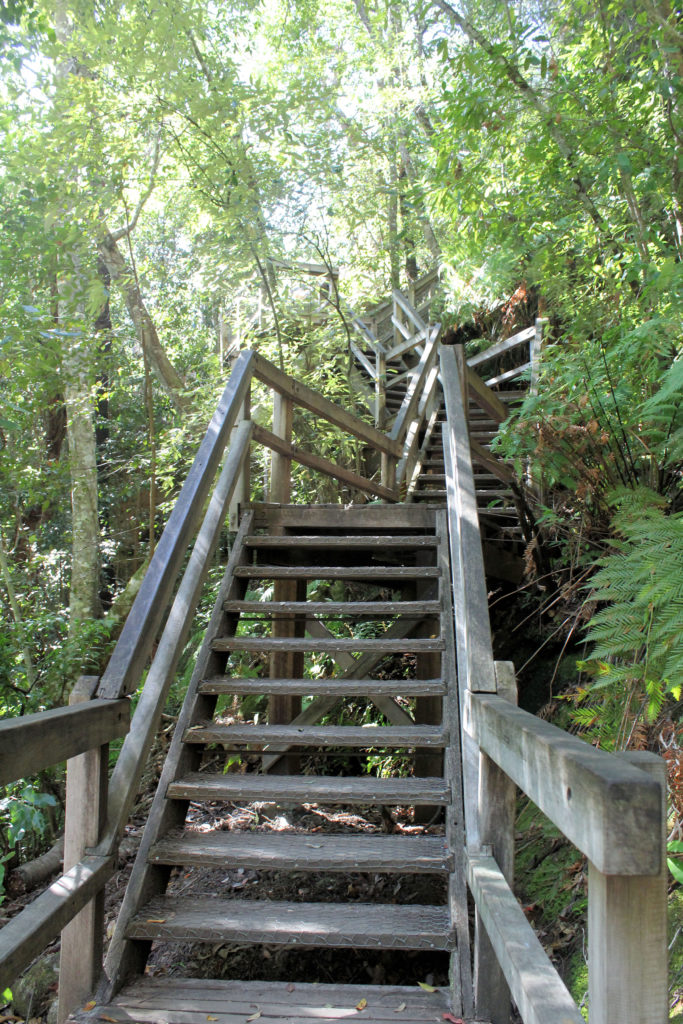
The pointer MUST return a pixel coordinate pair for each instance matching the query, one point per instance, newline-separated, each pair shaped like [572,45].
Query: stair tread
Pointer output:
[383,608]
[364,925]
[336,644]
[173,1000]
[304,852]
[322,735]
[325,789]
[335,572]
[326,541]
[338,687]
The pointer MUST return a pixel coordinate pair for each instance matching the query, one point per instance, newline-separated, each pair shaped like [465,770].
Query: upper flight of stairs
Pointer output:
[351,609]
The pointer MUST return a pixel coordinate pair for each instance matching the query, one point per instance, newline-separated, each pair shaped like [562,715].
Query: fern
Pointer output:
[637,634]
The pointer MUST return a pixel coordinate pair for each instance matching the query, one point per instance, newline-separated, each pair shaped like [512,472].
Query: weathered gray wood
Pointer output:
[339,687]
[140,629]
[169,1000]
[537,988]
[381,391]
[410,340]
[535,350]
[483,457]
[484,398]
[516,371]
[333,644]
[333,572]
[363,360]
[133,755]
[281,463]
[33,742]
[500,347]
[473,630]
[336,609]
[415,389]
[35,927]
[347,518]
[306,852]
[327,789]
[627,931]
[320,736]
[604,806]
[309,399]
[353,541]
[462,995]
[81,947]
[360,925]
[496,812]
[402,302]
[321,465]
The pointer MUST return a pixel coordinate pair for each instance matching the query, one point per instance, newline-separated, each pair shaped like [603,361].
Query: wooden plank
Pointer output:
[496,812]
[363,360]
[538,990]
[372,517]
[627,931]
[326,687]
[414,392]
[334,572]
[309,399]
[133,755]
[172,1000]
[483,397]
[319,736]
[82,941]
[321,465]
[502,346]
[411,340]
[402,302]
[305,852]
[353,541]
[33,742]
[359,925]
[513,374]
[323,789]
[333,644]
[604,806]
[336,609]
[35,927]
[139,632]
[473,630]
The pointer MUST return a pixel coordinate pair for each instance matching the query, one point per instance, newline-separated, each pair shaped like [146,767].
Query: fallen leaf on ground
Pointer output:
[156,920]
[91,1005]
[255,1016]
[290,988]
[112,1020]
[452,1020]
[426,987]
[400,1009]
[362,1004]
[212,1018]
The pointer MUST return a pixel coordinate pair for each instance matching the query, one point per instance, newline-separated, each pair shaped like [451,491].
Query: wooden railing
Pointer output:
[80,733]
[611,807]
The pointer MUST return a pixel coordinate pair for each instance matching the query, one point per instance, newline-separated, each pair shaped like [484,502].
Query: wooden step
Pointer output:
[332,645]
[326,687]
[335,608]
[278,851]
[352,542]
[503,492]
[359,925]
[431,495]
[364,791]
[171,1000]
[334,572]
[376,736]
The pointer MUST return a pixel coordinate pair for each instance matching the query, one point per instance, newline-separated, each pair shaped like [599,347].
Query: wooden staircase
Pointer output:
[385,631]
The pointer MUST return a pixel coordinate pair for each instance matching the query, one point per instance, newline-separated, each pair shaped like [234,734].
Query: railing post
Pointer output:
[281,466]
[380,388]
[242,493]
[496,813]
[462,374]
[627,933]
[80,961]
[388,470]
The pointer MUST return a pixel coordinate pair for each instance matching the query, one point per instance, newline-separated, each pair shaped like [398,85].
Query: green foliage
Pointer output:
[24,821]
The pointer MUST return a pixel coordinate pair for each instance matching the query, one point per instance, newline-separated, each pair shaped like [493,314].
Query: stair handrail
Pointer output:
[612,807]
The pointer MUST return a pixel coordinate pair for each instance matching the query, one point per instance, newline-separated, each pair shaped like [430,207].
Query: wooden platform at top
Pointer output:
[196,1000]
